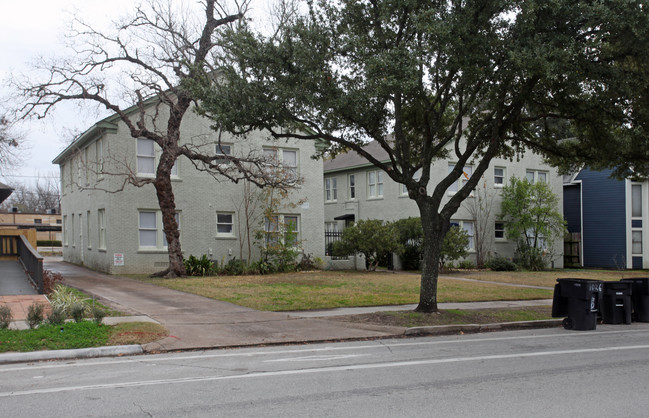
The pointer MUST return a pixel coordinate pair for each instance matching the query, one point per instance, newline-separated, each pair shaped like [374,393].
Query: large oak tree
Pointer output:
[465,80]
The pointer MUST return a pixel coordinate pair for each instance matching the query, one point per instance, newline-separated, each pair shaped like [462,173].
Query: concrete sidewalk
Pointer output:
[197,322]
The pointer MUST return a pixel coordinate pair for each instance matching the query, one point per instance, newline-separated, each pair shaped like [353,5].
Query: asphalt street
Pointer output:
[548,372]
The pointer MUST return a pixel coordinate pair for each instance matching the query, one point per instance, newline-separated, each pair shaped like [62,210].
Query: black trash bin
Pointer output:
[578,300]
[640,298]
[615,302]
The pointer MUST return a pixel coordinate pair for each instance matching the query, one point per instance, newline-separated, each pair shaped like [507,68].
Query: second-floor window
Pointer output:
[331,189]
[147,158]
[499,176]
[223,149]
[284,160]
[464,177]
[534,176]
[352,186]
[374,184]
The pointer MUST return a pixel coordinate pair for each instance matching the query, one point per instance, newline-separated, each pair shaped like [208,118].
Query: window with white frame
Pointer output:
[499,176]
[374,184]
[636,219]
[282,229]
[224,224]
[65,229]
[534,176]
[72,229]
[331,226]
[88,237]
[283,160]
[151,230]
[224,150]
[86,164]
[499,230]
[101,228]
[464,177]
[147,158]
[402,187]
[467,226]
[64,189]
[99,157]
[535,239]
[351,182]
[331,189]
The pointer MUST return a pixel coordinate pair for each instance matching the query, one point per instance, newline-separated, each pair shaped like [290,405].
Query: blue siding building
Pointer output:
[611,216]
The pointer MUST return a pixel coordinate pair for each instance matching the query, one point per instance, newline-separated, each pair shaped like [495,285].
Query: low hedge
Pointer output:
[48,243]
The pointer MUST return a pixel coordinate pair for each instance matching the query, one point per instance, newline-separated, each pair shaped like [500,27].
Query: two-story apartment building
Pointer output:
[112,226]
[355,189]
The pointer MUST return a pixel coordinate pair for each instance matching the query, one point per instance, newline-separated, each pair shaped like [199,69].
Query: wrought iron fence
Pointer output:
[330,238]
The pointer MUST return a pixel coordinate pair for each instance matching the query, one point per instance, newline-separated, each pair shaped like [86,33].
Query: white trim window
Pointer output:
[459,183]
[99,157]
[331,189]
[151,231]
[636,219]
[101,228]
[499,176]
[225,224]
[534,176]
[72,229]
[225,150]
[374,184]
[283,160]
[282,229]
[351,185]
[467,226]
[148,158]
[499,230]
[331,226]
[64,227]
[88,237]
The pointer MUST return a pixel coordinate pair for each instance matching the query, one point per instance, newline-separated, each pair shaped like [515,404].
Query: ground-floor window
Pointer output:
[468,227]
[151,230]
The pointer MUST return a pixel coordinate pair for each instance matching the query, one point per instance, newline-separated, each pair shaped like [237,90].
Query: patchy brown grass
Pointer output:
[136,333]
[335,289]
[449,317]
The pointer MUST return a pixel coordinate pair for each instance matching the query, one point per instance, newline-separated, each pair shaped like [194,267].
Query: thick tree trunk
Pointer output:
[434,228]
[167,204]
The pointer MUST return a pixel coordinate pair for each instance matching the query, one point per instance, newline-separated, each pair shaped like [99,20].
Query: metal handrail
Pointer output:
[32,262]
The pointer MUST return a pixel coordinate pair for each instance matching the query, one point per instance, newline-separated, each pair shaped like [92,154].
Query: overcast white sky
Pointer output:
[32,28]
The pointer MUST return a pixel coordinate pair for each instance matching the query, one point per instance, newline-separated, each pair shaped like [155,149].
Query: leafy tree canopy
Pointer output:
[460,80]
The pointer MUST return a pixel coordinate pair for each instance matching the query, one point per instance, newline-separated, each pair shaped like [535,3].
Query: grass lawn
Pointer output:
[450,317]
[79,335]
[545,278]
[334,289]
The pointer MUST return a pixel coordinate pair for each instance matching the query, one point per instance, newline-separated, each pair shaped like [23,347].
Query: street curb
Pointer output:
[473,328]
[78,353]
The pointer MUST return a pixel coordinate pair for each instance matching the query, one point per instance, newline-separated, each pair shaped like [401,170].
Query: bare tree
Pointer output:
[39,197]
[9,145]
[480,209]
[142,72]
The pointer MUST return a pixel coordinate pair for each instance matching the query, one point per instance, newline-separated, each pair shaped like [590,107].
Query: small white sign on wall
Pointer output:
[305,205]
[118,259]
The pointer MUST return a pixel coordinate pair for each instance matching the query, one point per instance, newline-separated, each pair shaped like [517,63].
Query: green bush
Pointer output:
[57,316]
[5,317]
[34,315]
[78,311]
[500,263]
[466,264]
[48,243]
[198,266]
[453,246]
[233,267]
[98,314]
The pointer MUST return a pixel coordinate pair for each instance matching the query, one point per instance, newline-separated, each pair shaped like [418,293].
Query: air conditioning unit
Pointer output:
[51,211]
[14,210]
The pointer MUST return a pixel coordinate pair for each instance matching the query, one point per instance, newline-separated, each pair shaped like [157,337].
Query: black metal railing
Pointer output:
[330,238]
[32,261]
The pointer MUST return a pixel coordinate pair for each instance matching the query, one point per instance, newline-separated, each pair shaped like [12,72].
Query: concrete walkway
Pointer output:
[14,280]
[198,322]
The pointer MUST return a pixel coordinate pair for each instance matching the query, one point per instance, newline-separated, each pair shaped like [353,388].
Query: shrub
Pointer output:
[234,267]
[453,246]
[98,314]
[48,243]
[308,263]
[78,311]
[5,316]
[198,266]
[500,263]
[50,281]
[34,315]
[466,264]
[64,297]
[57,316]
